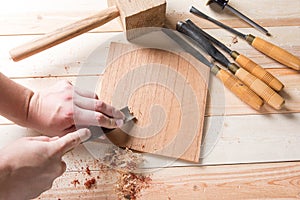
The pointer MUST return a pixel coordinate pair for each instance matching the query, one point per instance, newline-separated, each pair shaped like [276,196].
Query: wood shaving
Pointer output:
[123,160]
[89,183]
[235,40]
[87,170]
[129,185]
[75,182]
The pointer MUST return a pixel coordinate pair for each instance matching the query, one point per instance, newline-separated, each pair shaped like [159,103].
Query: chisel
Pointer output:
[224,3]
[231,82]
[269,49]
[244,61]
[259,87]
[97,131]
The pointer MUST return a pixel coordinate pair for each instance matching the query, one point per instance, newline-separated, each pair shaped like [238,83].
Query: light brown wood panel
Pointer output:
[167,94]
[255,181]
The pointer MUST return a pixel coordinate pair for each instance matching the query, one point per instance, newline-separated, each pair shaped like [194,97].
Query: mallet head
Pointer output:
[136,14]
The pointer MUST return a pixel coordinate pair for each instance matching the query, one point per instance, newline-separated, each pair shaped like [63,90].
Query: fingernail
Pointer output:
[84,134]
[120,122]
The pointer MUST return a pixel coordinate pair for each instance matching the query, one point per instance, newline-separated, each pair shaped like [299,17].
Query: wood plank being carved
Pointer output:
[166,92]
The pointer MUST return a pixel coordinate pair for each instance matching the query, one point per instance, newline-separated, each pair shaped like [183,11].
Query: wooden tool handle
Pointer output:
[260,88]
[240,90]
[259,72]
[275,52]
[63,34]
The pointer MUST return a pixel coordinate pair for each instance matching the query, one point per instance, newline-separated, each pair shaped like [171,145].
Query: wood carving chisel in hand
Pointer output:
[267,48]
[97,131]
[231,82]
[245,62]
[259,87]
[224,4]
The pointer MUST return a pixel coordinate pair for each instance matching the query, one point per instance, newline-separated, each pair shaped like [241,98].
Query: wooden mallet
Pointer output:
[134,14]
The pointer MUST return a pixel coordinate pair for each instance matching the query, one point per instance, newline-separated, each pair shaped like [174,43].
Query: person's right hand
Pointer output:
[29,165]
[57,110]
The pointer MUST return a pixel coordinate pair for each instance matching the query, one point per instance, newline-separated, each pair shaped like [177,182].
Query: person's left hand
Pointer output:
[56,110]
[29,165]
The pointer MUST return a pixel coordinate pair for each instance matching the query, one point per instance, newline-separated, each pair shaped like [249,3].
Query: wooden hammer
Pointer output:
[134,14]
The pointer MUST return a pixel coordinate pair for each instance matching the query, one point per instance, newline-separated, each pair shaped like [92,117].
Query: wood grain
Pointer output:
[256,181]
[63,34]
[216,91]
[257,71]
[272,134]
[277,53]
[41,18]
[166,93]
[279,143]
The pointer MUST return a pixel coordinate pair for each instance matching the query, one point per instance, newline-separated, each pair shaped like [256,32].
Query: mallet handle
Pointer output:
[63,34]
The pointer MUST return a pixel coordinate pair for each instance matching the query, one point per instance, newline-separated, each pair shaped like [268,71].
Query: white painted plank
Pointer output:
[256,138]
[86,53]
[37,17]
[65,59]
[238,182]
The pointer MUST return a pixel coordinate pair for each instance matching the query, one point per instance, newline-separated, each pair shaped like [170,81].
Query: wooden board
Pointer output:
[167,94]
[274,138]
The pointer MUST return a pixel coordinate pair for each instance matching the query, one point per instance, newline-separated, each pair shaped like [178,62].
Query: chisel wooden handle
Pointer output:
[264,91]
[64,34]
[257,71]
[238,88]
[274,52]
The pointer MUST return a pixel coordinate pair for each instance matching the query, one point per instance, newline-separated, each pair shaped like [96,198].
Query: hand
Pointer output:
[30,164]
[58,109]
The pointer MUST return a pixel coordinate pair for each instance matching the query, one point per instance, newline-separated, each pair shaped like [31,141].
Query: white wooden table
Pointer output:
[264,146]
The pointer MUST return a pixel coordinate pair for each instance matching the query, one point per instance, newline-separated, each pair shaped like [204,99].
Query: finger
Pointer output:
[40,138]
[99,106]
[86,93]
[71,140]
[88,117]
[53,138]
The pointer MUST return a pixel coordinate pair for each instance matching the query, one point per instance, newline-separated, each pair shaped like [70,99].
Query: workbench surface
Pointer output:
[256,154]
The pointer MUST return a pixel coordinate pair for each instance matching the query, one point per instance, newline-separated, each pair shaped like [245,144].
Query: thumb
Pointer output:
[71,140]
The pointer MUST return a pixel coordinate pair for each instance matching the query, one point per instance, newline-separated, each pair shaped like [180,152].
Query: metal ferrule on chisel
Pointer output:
[231,82]
[244,61]
[273,51]
[263,90]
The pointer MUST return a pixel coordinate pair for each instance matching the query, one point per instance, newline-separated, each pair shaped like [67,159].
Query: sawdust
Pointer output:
[129,185]
[123,160]
[235,40]
[89,183]
[87,170]
[123,163]
[75,182]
